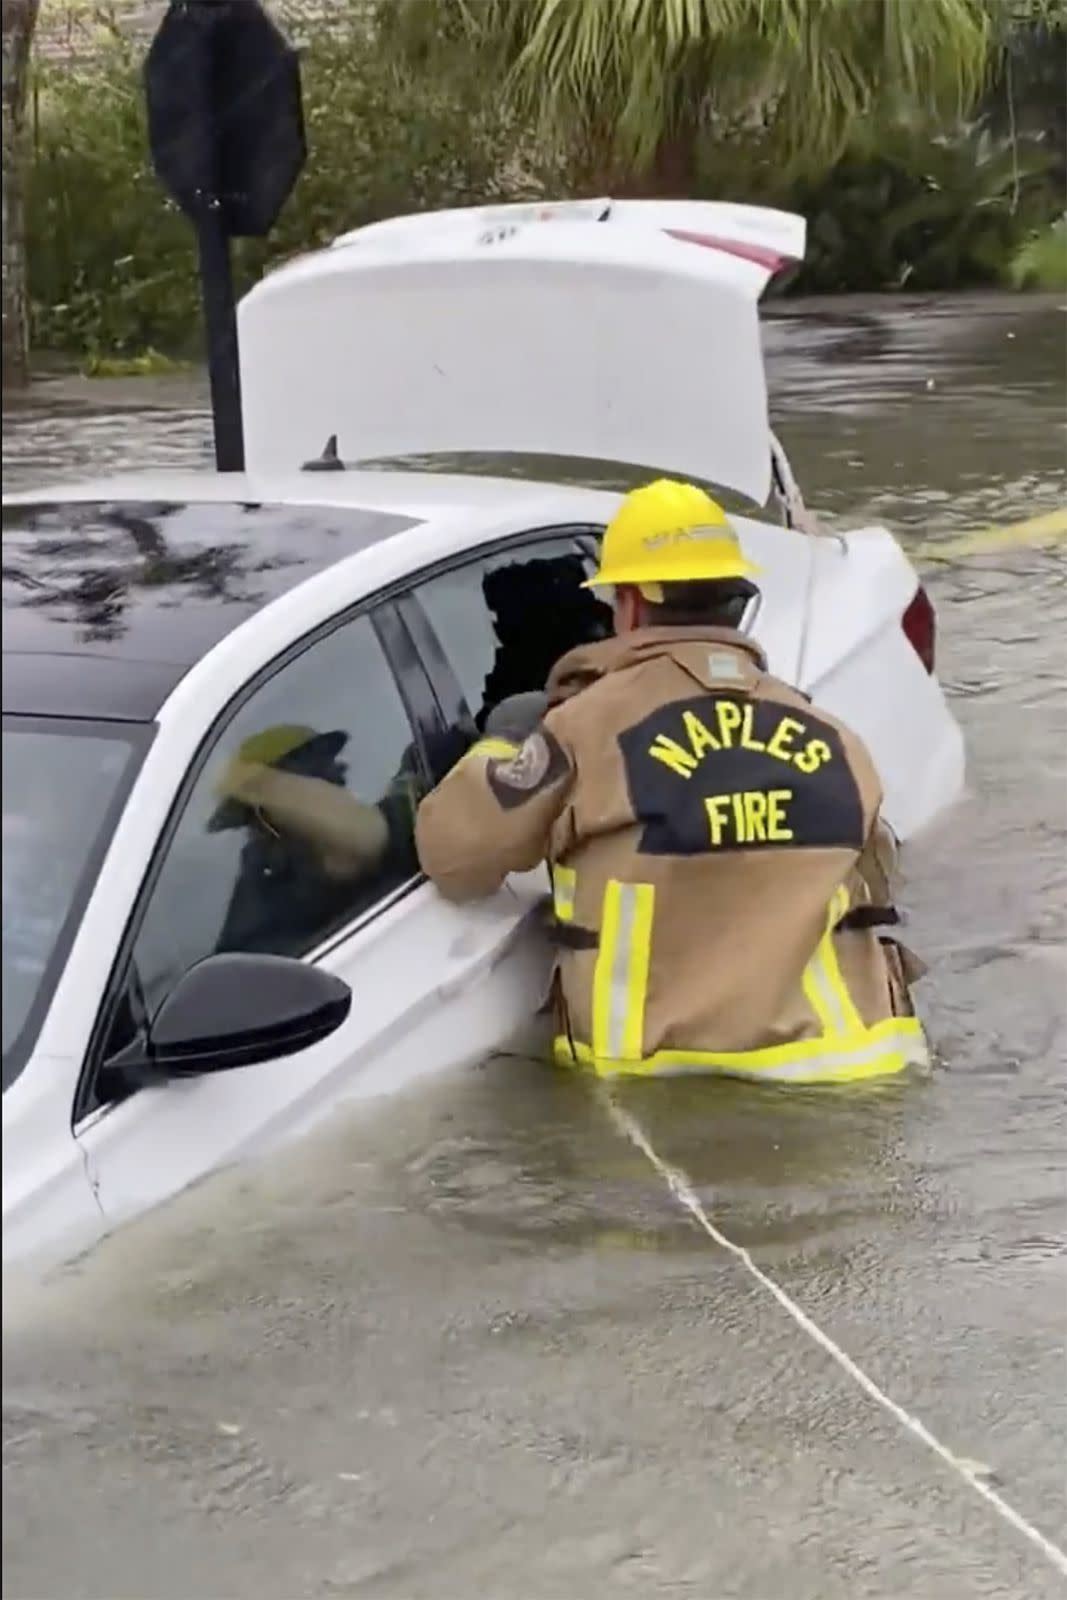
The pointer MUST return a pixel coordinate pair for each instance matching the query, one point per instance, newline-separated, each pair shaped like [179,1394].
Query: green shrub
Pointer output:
[908,207]
[925,211]
[112,262]
[111,266]
[1041,263]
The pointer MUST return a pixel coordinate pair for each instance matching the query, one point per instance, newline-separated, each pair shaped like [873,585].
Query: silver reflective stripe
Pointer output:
[833,1010]
[824,985]
[619,981]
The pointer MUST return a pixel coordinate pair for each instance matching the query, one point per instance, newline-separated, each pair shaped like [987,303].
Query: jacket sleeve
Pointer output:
[494,813]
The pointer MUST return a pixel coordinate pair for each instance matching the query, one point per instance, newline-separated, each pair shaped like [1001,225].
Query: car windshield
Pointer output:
[64,784]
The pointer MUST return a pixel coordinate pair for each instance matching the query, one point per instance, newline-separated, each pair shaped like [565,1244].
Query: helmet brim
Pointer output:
[612,580]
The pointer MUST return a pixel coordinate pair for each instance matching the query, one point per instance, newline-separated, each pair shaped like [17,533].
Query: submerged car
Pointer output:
[360,624]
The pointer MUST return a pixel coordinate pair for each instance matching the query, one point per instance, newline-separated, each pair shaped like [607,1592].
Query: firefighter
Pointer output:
[721,876]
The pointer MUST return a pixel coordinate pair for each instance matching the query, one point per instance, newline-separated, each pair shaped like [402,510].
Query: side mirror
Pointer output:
[234,1010]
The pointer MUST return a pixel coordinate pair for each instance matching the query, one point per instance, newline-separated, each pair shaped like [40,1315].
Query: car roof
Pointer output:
[421,493]
[108,602]
[114,587]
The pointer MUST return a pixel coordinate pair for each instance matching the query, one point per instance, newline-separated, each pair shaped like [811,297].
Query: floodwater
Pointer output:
[465,1343]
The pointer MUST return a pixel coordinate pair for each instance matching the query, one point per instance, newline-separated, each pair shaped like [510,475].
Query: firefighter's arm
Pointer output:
[349,835]
[494,813]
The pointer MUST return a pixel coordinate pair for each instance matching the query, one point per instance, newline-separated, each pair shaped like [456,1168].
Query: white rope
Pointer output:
[683,1192]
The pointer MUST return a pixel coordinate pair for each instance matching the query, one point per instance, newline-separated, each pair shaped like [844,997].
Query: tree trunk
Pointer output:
[670,174]
[674,165]
[19,20]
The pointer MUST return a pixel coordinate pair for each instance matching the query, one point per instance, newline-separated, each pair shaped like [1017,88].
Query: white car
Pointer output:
[153,936]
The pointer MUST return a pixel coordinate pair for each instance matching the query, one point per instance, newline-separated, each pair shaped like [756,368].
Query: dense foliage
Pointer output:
[112,263]
[427,107]
[640,80]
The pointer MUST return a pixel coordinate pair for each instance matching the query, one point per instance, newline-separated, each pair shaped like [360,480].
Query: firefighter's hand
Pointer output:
[516,717]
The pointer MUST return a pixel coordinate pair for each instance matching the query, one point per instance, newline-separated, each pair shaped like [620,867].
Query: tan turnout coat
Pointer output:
[721,876]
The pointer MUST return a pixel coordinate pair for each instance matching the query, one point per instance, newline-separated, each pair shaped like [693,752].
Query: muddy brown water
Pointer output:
[463,1343]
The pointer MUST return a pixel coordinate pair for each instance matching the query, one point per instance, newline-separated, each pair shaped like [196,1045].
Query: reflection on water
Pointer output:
[464,1342]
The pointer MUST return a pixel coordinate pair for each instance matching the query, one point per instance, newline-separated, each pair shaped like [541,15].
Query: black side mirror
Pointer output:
[234,1010]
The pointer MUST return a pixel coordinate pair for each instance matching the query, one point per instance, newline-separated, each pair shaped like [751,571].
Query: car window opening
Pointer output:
[539,612]
[503,621]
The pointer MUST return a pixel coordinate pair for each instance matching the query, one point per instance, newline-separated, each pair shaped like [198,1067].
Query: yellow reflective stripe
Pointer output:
[888,1047]
[564,887]
[620,977]
[824,987]
[498,749]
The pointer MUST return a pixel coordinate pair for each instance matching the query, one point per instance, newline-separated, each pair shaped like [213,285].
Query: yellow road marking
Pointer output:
[1048,528]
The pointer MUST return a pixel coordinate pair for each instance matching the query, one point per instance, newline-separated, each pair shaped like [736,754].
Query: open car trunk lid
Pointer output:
[625,331]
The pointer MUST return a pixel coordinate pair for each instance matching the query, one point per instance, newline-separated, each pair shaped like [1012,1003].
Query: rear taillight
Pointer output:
[920,627]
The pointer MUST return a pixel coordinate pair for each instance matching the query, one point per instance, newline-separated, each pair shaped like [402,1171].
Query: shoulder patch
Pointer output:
[528,766]
[537,764]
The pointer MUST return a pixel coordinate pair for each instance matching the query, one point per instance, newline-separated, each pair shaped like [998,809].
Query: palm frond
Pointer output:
[639,70]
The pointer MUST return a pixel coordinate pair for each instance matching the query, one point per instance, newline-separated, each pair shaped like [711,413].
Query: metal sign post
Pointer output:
[226,134]
[220,325]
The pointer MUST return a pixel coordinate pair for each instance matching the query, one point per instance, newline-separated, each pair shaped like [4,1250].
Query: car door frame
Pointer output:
[451,698]
[420,703]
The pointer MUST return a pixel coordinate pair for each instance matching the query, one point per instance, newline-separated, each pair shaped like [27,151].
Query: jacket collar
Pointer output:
[580,667]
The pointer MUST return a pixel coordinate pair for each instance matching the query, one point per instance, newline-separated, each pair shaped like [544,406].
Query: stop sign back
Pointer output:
[225,118]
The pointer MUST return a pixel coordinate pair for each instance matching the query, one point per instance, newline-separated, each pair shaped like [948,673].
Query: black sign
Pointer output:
[225,119]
